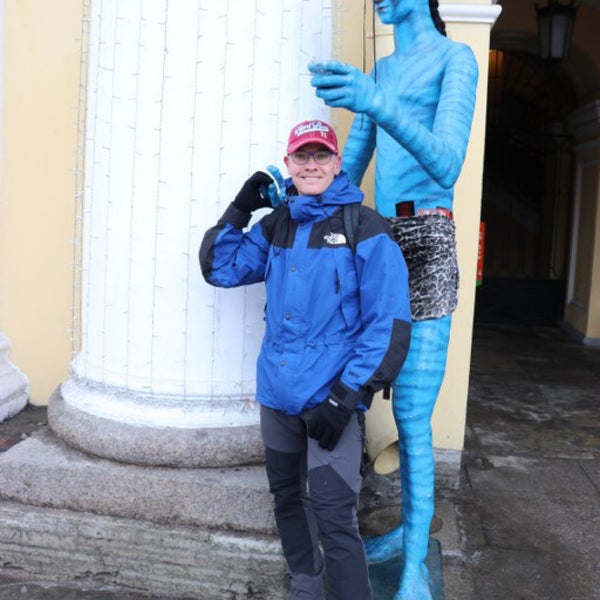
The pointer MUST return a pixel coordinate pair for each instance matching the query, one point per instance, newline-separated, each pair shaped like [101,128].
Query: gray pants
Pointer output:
[315,499]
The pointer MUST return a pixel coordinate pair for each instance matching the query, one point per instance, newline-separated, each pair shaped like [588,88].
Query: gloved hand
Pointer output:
[328,422]
[249,198]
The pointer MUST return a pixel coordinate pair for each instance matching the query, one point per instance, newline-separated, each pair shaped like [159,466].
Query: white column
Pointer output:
[185,101]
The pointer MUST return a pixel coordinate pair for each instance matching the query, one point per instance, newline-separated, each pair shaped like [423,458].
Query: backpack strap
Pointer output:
[350,214]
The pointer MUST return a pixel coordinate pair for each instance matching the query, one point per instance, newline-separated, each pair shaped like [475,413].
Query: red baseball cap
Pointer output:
[309,132]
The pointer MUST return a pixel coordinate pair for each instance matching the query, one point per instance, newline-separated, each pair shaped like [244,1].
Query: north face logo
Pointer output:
[335,239]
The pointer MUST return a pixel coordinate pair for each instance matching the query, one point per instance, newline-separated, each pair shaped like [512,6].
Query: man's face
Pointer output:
[313,178]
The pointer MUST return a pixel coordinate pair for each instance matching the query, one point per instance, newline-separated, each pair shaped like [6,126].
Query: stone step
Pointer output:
[44,471]
[100,552]
[71,518]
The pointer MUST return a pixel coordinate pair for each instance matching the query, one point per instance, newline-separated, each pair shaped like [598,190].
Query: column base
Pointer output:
[155,445]
[14,392]
[12,405]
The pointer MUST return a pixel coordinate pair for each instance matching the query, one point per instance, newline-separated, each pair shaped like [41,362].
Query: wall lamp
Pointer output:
[555,29]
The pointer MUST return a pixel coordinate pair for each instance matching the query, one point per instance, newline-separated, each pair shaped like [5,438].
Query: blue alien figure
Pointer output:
[416,110]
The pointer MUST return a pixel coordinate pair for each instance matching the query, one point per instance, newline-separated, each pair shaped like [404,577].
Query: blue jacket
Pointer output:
[337,321]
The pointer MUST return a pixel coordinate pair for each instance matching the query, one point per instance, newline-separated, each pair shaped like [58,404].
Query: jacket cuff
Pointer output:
[236,217]
[348,397]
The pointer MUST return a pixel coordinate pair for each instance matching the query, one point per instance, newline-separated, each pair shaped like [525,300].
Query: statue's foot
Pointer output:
[414,583]
[384,547]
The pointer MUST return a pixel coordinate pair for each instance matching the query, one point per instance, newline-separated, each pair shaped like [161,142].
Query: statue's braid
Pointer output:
[435,15]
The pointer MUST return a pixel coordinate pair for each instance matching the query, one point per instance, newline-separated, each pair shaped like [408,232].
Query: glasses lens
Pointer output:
[322,157]
[300,158]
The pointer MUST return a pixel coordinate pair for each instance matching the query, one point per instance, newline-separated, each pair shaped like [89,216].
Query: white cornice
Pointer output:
[470,13]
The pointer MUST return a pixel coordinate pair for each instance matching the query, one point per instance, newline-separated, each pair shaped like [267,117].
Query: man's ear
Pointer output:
[338,166]
[286,162]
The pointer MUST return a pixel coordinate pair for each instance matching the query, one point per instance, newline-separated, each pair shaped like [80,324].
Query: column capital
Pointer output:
[470,13]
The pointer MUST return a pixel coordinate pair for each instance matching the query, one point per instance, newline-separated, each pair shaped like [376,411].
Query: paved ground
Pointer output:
[530,498]
[528,506]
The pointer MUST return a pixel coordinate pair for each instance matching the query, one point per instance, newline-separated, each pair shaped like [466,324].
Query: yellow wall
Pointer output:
[582,311]
[593,329]
[41,87]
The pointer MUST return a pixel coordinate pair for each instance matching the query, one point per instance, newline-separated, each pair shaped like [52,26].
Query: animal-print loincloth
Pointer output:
[429,248]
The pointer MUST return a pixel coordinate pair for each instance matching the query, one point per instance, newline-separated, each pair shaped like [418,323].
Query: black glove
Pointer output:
[249,198]
[327,423]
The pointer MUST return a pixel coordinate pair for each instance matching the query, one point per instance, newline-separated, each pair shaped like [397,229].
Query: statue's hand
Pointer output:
[275,191]
[341,85]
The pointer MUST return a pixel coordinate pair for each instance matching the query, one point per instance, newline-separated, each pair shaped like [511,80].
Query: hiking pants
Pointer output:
[315,499]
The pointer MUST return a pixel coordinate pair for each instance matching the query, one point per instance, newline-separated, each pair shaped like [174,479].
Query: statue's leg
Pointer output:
[415,394]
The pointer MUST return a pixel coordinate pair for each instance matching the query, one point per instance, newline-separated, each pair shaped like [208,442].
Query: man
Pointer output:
[337,330]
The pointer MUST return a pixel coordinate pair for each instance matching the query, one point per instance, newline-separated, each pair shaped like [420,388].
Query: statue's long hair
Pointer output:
[435,15]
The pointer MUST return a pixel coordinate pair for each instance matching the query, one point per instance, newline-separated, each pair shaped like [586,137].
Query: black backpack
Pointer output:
[350,213]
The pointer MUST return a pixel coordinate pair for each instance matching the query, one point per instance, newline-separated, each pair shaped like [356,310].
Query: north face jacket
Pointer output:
[337,320]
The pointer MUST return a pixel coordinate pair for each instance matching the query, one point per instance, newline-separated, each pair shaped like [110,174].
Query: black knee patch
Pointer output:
[284,473]
[283,470]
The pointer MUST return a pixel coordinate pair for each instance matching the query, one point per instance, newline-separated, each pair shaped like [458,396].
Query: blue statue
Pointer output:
[416,110]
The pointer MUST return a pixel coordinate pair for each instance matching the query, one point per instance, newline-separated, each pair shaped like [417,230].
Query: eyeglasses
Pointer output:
[322,157]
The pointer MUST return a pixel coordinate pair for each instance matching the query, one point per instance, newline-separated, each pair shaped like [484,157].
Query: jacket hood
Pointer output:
[308,208]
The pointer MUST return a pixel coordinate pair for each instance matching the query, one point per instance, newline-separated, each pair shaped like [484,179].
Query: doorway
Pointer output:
[526,191]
